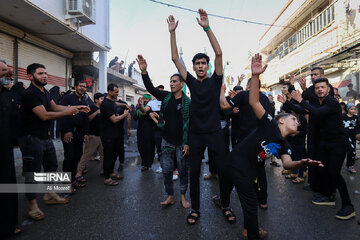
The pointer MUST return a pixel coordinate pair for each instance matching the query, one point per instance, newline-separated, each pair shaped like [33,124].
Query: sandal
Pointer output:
[144,168]
[85,171]
[36,214]
[191,216]
[217,201]
[298,180]
[80,179]
[286,172]
[228,213]
[291,176]
[111,183]
[17,230]
[116,177]
[78,185]
[263,206]
[57,200]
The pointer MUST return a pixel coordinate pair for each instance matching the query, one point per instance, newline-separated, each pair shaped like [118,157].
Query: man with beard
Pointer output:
[37,148]
[74,131]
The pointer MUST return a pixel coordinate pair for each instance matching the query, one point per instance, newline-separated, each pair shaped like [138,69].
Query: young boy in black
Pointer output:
[331,149]
[268,140]
[205,130]
[351,121]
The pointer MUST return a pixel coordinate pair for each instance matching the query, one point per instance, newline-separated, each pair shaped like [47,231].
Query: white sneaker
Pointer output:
[175,177]
[159,170]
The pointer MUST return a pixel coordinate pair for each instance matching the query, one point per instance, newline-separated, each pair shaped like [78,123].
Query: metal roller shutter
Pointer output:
[55,64]
[6,49]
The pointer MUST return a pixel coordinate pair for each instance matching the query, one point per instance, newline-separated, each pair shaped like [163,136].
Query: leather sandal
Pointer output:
[191,216]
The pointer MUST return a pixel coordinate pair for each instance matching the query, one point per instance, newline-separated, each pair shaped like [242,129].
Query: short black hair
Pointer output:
[111,86]
[238,88]
[350,85]
[177,75]
[31,69]
[282,115]
[199,56]
[286,84]
[77,82]
[160,87]
[321,70]
[248,82]
[98,95]
[319,80]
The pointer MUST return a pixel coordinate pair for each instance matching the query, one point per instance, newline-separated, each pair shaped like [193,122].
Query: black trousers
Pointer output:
[157,139]
[332,154]
[351,151]
[225,133]
[73,151]
[246,191]
[197,144]
[312,146]
[113,147]
[36,152]
[146,146]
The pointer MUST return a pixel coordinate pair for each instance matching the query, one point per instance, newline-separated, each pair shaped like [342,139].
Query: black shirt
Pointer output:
[245,121]
[329,117]
[205,103]
[112,62]
[350,124]
[265,142]
[75,122]
[96,122]
[30,122]
[310,95]
[109,129]
[172,131]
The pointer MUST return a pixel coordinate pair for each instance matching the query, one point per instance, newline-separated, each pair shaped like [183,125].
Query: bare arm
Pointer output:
[93,115]
[116,119]
[204,23]
[60,108]
[44,115]
[174,51]
[254,99]
[224,105]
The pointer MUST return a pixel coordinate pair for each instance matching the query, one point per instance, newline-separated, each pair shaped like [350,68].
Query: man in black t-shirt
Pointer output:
[94,142]
[174,125]
[331,149]
[37,110]
[204,109]
[74,131]
[111,133]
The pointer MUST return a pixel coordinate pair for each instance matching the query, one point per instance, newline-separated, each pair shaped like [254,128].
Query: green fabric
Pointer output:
[139,112]
[147,96]
[185,110]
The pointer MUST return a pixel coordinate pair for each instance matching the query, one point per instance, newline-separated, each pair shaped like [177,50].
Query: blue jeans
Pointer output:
[168,153]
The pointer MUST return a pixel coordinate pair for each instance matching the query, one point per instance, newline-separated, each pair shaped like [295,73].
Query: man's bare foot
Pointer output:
[184,202]
[169,201]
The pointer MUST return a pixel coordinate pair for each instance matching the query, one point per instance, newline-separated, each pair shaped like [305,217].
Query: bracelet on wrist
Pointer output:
[207,28]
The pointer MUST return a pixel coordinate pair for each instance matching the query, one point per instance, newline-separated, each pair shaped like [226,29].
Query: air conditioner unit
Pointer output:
[82,10]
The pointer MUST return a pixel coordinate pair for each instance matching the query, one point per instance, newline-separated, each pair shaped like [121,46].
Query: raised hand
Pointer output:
[296,95]
[142,64]
[281,98]
[140,101]
[292,79]
[256,65]
[172,23]
[204,20]
[240,78]
[302,83]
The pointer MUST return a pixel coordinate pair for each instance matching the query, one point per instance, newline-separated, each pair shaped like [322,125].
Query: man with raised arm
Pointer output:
[249,156]
[174,125]
[204,110]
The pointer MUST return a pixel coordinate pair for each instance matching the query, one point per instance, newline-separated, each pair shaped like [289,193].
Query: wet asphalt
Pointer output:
[132,209]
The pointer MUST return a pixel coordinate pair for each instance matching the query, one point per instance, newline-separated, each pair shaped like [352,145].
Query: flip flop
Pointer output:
[57,200]
[36,214]
[117,177]
[111,183]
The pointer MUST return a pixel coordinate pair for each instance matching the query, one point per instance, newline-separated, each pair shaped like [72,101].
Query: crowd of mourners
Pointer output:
[311,135]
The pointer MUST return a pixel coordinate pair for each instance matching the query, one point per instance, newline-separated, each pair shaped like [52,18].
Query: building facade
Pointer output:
[309,33]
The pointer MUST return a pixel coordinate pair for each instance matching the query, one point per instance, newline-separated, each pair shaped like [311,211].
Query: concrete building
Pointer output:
[308,33]
[63,35]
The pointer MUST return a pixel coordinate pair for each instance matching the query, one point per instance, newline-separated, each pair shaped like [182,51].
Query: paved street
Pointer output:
[132,210]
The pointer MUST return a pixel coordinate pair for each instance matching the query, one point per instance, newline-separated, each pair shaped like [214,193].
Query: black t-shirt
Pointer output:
[30,122]
[112,62]
[96,122]
[265,142]
[350,124]
[205,103]
[78,121]
[245,121]
[109,129]
[173,122]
